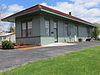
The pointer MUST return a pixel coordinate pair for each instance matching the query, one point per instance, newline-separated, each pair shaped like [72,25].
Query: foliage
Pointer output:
[96,33]
[14,44]
[80,40]
[7,44]
[11,29]
[84,62]
[97,25]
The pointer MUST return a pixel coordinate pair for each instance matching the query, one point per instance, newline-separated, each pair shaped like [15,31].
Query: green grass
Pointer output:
[84,62]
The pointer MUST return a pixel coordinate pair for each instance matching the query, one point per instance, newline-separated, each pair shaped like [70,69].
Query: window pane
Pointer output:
[29,24]
[24,33]
[47,27]
[55,24]
[23,26]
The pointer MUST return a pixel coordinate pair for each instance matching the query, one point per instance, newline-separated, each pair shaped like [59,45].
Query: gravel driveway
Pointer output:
[12,58]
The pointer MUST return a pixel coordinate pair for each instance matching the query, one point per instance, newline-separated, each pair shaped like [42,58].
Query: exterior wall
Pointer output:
[60,31]
[83,31]
[46,39]
[77,31]
[12,38]
[35,38]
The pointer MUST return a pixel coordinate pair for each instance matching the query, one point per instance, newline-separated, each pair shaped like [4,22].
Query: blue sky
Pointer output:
[88,10]
[28,3]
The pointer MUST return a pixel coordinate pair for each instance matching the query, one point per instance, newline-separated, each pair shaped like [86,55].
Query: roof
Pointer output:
[49,10]
[6,34]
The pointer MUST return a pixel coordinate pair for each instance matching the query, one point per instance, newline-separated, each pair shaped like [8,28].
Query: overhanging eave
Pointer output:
[13,17]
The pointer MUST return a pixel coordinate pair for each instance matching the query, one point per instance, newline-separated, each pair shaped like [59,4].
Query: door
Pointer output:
[55,32]
[65,31]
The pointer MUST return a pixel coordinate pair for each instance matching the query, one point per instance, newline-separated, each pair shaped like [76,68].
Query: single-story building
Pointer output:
[43,25]
[7,36]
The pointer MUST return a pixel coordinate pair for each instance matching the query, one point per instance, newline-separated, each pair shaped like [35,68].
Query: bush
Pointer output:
[14,44]
[7,44]
[80,40]
[96,33]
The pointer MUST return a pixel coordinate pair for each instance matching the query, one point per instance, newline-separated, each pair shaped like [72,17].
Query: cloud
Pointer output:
[90,4]
[7,10]
[10,9]
[85,9]
[15,7]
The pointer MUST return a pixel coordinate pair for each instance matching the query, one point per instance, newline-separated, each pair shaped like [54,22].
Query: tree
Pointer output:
[96,31]
[97,25]
[11,28]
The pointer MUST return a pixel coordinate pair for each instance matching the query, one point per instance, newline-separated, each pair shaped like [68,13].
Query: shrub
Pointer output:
[96,33]
[80,40]
[7,44]
[14,44]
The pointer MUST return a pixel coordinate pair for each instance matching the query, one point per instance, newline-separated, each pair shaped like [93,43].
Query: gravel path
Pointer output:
[12,58]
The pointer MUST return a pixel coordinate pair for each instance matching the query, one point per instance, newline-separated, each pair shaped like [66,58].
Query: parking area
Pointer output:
[13,58]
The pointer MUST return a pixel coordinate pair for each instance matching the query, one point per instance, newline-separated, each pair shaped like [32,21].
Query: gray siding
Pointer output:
[35,39]
[38,30]
[75,29]
[83,31]
[18,28]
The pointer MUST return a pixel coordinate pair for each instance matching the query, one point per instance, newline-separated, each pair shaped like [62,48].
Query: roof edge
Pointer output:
[39,6]
[25,10]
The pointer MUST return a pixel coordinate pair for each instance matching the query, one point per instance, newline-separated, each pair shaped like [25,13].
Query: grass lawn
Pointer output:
[84,62]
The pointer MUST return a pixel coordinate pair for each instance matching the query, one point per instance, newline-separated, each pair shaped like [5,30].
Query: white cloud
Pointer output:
[7,10]
[90,4]
[85,9]
[92,19]
[10,9]
[45,4]
[94,12]
[15,7]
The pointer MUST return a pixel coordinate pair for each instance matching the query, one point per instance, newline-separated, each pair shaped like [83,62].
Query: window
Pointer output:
[29,24]
[26,29]
[55,24]
[47,29]
[24,32]
[66,29]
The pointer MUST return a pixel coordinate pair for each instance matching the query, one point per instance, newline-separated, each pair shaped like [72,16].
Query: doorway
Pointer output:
[55,31]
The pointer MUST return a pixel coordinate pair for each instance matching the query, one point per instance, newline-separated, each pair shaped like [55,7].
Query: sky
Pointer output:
[88,10]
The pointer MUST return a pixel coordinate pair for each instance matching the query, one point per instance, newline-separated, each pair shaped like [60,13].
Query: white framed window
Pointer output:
[47,27]
[66,28]
[24,32]
[29,24]
[26,28]
[55,25]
